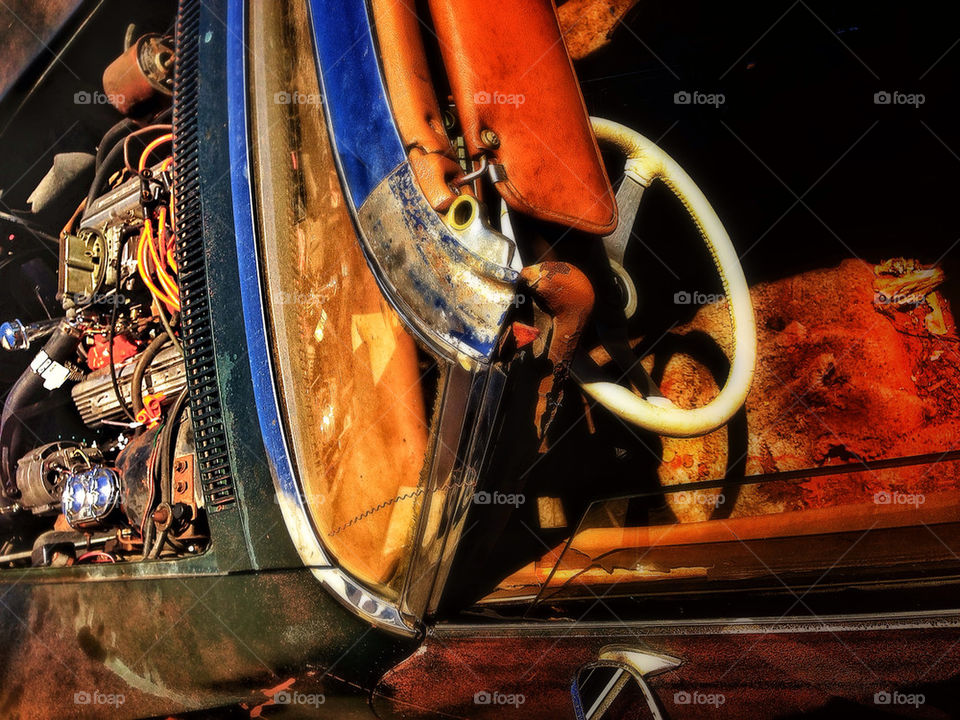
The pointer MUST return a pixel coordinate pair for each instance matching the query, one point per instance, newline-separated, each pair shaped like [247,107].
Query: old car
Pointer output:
[375,360]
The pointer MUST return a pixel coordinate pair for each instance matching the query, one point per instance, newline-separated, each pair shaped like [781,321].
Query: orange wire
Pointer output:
[170,293]
[166,282]
[161,233]
[165,235]
[142,267]
[145,275]
[138,133]
[151,146]
[163,167]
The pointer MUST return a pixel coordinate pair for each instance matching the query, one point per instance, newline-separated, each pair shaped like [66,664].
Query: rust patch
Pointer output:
[565,292]
[257,710]
[588,25]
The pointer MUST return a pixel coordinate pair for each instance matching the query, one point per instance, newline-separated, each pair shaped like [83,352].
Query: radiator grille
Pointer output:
[216,476]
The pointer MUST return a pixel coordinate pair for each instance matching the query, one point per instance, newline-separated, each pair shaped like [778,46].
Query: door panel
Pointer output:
[902,667]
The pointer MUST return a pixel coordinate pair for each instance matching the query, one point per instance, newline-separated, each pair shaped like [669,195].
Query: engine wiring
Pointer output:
[109,374]
[165,129]
[111,348]
[154,254]
[157,269]
[151,146]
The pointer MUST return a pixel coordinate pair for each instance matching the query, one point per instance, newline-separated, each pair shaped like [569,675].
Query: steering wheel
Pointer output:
[645,163]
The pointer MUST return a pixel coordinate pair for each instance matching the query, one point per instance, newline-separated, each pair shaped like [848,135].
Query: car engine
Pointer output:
[97,451]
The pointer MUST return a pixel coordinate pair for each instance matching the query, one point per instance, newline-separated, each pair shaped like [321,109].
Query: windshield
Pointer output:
[354,384]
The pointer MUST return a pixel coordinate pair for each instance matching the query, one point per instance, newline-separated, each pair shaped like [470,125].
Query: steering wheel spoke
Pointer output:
[629,195]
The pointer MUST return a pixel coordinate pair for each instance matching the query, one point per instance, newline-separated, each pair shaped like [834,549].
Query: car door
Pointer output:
[809,613]
[721,668]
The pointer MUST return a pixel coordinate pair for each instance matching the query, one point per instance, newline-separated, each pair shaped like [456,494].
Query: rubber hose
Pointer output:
[60,346]
[167,447]
[140,369]
[166,442]
[115,133]
[103,171]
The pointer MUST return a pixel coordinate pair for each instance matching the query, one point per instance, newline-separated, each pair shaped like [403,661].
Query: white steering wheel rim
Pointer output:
[645,163]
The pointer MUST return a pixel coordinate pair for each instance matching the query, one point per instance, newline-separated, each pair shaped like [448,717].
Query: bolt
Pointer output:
[490,138]
[161,516]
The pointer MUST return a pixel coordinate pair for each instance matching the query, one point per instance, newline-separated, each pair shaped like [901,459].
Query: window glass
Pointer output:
[355,386]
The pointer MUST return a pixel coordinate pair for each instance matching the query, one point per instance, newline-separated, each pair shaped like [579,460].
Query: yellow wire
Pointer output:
[165,281]
[145,275]
[170,294]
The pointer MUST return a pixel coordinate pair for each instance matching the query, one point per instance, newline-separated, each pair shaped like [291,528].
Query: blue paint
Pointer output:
[577,702]
[402,186]
[364,134]
[258,348]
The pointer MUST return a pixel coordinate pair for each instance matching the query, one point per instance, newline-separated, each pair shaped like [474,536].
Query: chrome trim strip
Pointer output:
[918,620]
[468,410]
[454,299]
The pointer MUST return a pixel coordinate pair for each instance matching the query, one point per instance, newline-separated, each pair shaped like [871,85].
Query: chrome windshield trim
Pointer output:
[452,299]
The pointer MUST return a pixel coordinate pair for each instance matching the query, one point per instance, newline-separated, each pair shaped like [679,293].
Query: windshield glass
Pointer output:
[354,384]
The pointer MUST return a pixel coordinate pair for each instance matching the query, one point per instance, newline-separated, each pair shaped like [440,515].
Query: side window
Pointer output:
[842,461]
